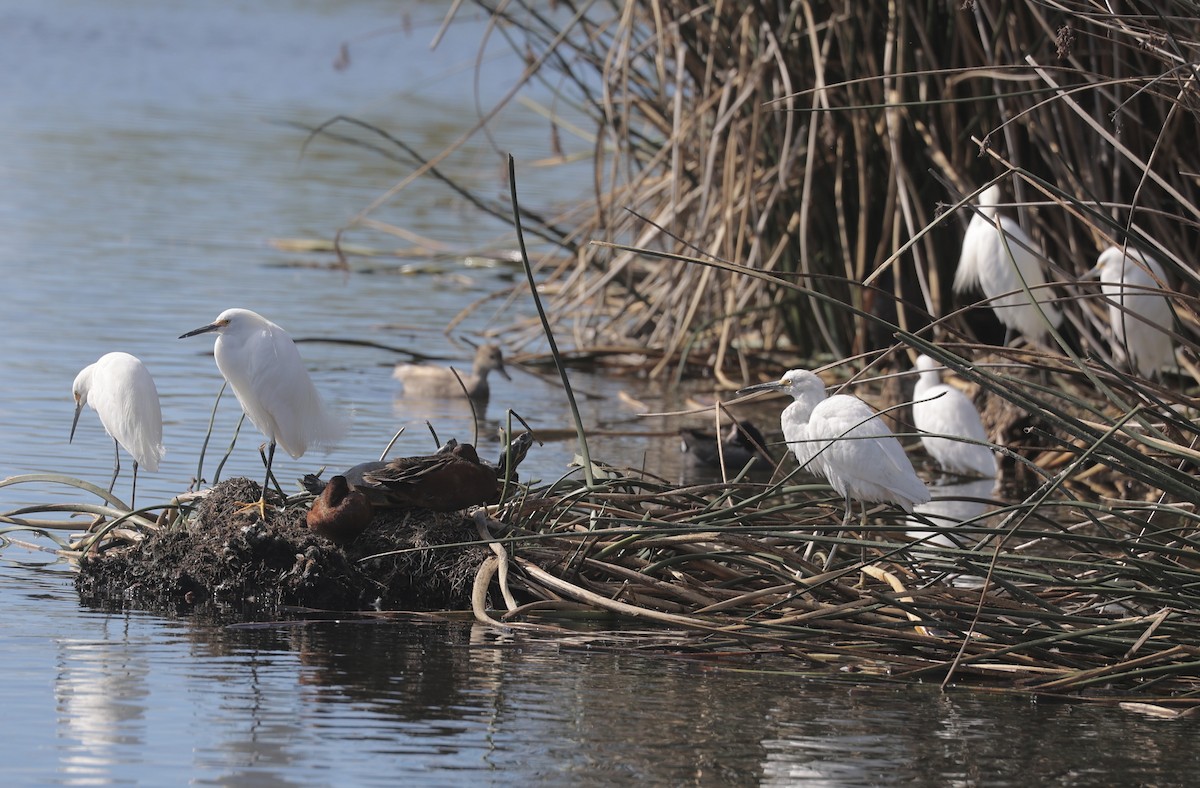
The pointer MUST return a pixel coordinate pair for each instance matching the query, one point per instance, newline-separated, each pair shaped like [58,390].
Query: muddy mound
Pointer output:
[222,555]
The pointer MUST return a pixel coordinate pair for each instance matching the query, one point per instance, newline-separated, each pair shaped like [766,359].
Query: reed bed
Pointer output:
[833,146]
[1097,603]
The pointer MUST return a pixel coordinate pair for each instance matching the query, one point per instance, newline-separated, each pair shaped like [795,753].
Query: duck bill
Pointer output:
[503,372]
[201,330]
[774,385]
[75,421]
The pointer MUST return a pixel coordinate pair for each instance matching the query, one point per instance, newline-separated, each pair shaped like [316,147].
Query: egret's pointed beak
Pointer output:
[1093,273]
[217,326]
[774,385]
[75,421]
[503,371]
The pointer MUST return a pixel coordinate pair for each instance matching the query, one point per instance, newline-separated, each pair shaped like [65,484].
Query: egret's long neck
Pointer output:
[801,409]
[925,381]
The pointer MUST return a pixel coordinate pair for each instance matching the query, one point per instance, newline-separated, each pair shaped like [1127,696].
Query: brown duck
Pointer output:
[341,512]
[452,479]
[448,481]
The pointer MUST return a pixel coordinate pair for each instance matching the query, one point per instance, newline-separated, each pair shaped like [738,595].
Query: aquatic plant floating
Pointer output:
[261,363]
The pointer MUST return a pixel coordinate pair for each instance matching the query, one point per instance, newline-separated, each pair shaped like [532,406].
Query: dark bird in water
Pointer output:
[341,512]
[741,444]
[438,382]
[452,479]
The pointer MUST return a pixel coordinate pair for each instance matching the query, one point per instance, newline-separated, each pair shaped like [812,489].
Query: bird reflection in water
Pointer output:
[953,505]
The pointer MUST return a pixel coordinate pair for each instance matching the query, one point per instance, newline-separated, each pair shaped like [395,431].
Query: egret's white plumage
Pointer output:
[122,392]
[939,409]
[844,440]
[263,367]
[996,261]
[1140,330]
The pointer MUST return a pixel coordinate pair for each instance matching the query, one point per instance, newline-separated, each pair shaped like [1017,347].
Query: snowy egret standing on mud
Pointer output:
[122,392]
[842,439]
[1140,331]
[261,363]
[996,260]
[942,410]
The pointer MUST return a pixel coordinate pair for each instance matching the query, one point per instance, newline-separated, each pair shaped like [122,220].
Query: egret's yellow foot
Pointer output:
[260,505]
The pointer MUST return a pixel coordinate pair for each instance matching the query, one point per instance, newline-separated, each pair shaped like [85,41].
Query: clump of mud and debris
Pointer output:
[224,556]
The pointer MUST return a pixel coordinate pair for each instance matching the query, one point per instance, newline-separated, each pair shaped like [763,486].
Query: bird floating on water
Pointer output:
[341,512]
[261,363]
[844,440]
[122,392]
[996,259]
[1140,319]
[945,413]
[741,444]
[437,382]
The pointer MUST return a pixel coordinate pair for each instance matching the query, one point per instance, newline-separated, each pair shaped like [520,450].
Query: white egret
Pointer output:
[842,439]
[996,259]
[945,413]
[261,363]
[438,382]
[1140,318]
[953,505]
[122,392]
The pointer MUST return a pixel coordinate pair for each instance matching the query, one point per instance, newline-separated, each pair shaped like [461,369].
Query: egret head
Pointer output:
[1109,266]
[79,389]
[989,197]
[230,319]
[925,363]
[796,382]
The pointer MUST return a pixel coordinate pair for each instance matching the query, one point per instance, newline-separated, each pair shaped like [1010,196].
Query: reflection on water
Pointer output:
[101,691]
[389,702]
[953,504]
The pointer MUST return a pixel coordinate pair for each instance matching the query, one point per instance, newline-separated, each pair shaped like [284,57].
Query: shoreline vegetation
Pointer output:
[774,190]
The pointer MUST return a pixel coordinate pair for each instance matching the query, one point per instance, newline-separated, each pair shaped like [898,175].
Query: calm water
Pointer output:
[149,156]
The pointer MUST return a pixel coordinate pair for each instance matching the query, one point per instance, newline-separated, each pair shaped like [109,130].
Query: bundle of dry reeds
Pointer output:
[1054,594]
[822,142]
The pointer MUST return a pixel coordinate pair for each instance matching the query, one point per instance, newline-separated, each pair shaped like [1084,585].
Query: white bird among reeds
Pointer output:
[1140,319]
[844,440]
[944,414]
[997,255]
